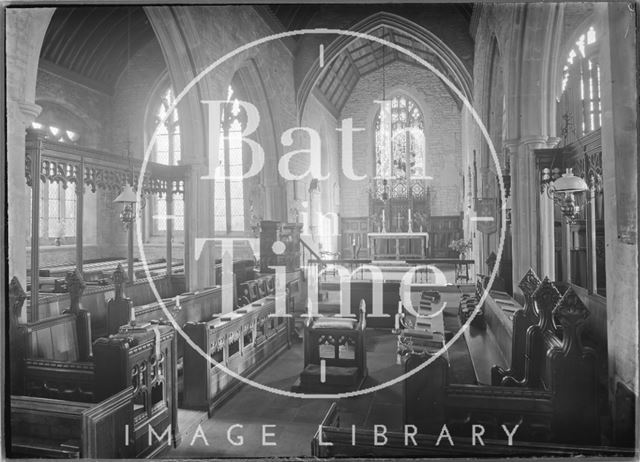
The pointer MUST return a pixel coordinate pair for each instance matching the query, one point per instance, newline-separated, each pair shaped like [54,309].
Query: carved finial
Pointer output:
[571,312]
[75,287]
[119,275]
[17,296]
[529,283]
[119,278]
[546,297]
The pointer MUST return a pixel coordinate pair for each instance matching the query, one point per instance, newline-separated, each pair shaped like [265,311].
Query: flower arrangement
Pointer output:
[59,232]
[461,246]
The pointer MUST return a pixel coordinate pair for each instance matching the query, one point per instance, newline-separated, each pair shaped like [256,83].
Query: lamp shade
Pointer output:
[127,196]
[569,183]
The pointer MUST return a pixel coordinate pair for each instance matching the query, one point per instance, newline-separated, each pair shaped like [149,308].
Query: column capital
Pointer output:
[23,112]
[541,142]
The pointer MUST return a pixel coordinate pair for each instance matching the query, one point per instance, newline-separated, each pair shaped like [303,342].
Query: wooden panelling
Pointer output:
[51,428]
[242,341]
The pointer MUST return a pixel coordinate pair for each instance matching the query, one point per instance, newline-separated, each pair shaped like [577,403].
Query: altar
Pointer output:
[398,246]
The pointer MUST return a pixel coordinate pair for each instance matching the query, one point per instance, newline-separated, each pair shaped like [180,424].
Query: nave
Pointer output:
[440,196]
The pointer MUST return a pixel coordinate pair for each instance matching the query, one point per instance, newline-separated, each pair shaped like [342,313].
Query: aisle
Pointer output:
[295,420]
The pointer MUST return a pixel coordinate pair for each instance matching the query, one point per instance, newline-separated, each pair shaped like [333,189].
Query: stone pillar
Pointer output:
[199,223]
[525,216]
[620,179]
[19,117]
[25,29]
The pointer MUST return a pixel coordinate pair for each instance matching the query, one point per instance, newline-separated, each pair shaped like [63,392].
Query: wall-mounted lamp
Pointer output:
[564,189]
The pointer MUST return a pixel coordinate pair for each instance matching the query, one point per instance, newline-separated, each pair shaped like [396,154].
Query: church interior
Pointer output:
[321,230]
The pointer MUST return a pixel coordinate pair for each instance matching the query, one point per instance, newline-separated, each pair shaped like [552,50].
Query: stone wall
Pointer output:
[113,123]
[72,106]
[619,156]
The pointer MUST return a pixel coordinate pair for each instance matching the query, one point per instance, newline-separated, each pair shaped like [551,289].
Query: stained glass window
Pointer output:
[580,108]
[400,141]
[229,192]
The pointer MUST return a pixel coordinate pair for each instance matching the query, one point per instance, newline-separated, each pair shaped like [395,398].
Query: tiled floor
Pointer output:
[295,420]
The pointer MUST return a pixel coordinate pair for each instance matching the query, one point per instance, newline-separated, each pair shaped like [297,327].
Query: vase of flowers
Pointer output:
[59,232]
[461,246]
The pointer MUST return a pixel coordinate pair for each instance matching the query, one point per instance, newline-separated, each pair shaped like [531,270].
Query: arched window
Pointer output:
[399,139]
[167,152]
[579,106]
[229,191]
[57,200]
[579,246]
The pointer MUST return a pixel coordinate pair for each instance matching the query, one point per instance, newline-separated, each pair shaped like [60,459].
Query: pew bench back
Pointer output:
[243,341]
[53,357]
[42,427]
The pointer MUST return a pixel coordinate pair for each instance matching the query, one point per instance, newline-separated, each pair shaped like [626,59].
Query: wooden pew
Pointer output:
[54,354]
[424,332]
[56,361]
[538,340]
[339,343]
[142,357]
[51,428]
[522,320]
[335,440]
[564,409]
[104,270]
[468,305]
[183,306]
[244,341]
[96,298]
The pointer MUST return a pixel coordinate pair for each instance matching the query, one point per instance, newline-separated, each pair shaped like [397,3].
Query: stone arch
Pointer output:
[530,122]
[181,66]
[452,64]
[254,89]
[152,104]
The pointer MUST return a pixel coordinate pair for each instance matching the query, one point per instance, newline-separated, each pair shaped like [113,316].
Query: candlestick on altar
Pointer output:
[400,307]
[384,224]
[410,222]
[397,325]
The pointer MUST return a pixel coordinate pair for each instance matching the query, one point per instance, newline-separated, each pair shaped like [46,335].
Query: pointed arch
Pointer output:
[449,63]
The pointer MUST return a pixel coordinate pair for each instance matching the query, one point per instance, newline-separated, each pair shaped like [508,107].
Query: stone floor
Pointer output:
[295,420]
